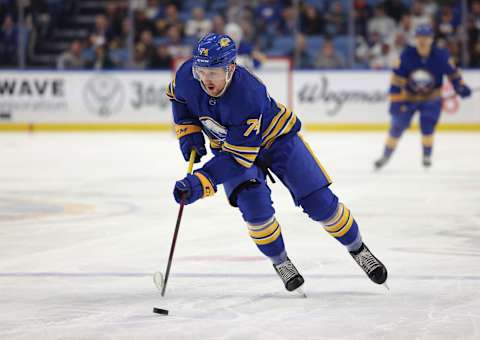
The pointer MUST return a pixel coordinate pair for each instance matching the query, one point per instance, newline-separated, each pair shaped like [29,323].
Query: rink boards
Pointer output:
[127,100]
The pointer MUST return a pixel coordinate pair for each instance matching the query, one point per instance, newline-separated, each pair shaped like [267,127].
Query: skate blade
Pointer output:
[158,280]
[385,285]
[299,291]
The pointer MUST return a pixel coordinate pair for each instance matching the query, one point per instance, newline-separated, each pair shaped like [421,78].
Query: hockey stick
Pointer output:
[158,279]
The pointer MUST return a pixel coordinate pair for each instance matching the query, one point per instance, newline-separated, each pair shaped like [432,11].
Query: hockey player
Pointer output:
[416,85]
[249,132]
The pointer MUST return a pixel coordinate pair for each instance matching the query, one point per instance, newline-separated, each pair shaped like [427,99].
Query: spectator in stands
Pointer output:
[102,32]
[362,12]
[288,24]
[101,60]
[311,23]
[395,9]
[300,53]
[153,10]
[385,59]
[73,58]
[8,42]
[162,60]
[142,23]
[140,61]
[430,7]
[446,25]
[381,23]
[473,30]
[336,19]
[218,24]
[475,54]
[248,29]
[146,38]
[328,58]
[117,53]
[161,27]
[173,19]
[247,56]
[398,44]
[176,47]
[368,49]
[405,27]
[419,17]
[238,10]
[115,12]
[268,14]
[125,32]
[198,26]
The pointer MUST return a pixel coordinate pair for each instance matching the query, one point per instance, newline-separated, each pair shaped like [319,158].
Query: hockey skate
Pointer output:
[380,163]
[427,161]
[289,275]
[375,269]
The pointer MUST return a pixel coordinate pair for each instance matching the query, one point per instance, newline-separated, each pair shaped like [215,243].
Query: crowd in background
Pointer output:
[315,36]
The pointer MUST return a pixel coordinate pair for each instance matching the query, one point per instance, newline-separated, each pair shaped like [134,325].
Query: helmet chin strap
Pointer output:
[228,79]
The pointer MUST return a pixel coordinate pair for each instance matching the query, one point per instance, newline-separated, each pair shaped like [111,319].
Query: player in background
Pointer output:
[416,85]
[250,132]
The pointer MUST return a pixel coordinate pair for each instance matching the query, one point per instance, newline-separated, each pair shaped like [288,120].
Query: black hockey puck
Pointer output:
[160,311]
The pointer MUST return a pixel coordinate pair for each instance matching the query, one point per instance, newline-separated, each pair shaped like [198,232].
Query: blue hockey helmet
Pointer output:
[214,50]
[424,30]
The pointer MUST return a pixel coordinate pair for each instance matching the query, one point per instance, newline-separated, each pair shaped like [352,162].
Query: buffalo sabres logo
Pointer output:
[213,128]
[224,42]
[421,81]
[203,51]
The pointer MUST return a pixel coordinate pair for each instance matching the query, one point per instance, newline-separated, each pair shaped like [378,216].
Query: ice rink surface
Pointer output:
[85,220]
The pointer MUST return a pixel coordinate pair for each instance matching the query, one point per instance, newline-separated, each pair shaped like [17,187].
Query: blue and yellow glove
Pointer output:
[194,187]
[191,137]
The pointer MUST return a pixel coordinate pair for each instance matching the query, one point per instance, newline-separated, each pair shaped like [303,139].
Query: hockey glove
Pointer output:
[191,137]
[194,187]
[463,90]
[399,107]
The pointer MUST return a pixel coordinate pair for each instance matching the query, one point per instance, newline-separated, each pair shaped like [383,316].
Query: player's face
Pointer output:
[423,44]
[213,78]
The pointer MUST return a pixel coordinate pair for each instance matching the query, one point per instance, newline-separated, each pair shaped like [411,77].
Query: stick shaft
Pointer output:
[177,227]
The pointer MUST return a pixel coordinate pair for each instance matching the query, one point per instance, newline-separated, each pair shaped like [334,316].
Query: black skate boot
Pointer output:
[289,275]
[375,269]
[380,163]
[427,161]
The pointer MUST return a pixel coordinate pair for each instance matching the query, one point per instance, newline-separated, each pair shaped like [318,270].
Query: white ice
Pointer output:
[86,219]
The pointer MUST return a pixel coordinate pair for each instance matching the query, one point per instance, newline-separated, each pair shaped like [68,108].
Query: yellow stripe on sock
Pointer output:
[339,225]
[269,239]
[264,232]
[391,142]
[345,229]
[427,140]
[338,213]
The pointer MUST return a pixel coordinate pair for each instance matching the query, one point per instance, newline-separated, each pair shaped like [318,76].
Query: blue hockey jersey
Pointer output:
[240,124]
[417,78]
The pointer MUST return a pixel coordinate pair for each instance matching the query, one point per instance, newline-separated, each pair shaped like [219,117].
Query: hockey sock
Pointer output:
[342,226]
[268,238]
[390,146]
[427,145]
